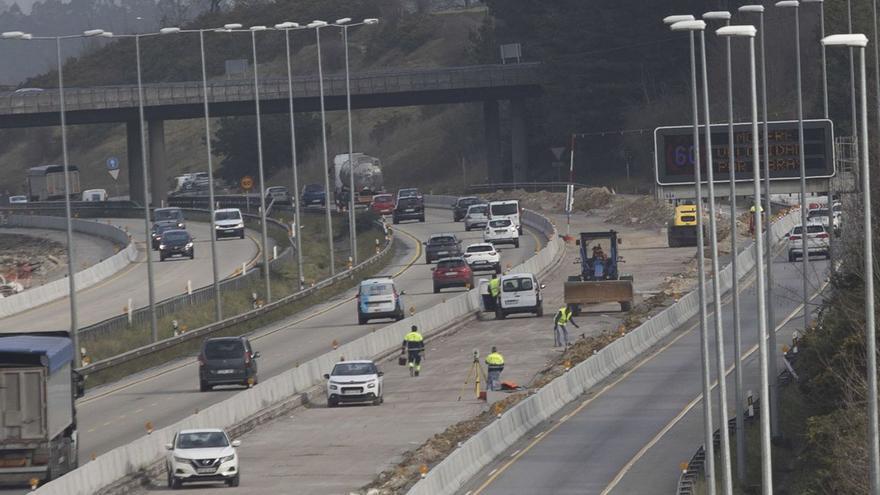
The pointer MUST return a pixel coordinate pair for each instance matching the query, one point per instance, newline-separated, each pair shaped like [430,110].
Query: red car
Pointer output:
[383,204]
[452,272]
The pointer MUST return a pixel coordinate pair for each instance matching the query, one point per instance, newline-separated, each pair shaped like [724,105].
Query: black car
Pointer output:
[227,361]
[158,230]
[442,246]
[460,207]
[176,243]
[408,209]
[313,195]
[169,215]
[409,192]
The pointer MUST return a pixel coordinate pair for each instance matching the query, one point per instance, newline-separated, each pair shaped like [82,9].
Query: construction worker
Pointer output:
[560,332]
[495,363]
[414,346]
[495,288]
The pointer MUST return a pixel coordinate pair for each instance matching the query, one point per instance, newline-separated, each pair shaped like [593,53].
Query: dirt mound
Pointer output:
[641,211]
[585,199]
[29,260]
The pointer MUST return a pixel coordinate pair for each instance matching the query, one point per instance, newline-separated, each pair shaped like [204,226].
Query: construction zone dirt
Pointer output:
[29,260]
[585,199]
[645,211]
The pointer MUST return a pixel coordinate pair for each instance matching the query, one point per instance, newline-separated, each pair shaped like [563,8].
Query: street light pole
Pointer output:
[317,25]
[352,229]
[286,27]
[859,41]
[687,23]
[824,65]
[266,271]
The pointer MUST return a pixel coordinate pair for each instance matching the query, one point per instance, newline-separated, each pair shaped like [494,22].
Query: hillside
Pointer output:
[416,144]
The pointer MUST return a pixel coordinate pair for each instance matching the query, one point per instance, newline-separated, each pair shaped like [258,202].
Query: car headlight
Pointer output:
[371,385]
[180,225]
[181,460]
[161,246]
[227,458]
[240,225]
[333,387]
[216,226]
[189,245]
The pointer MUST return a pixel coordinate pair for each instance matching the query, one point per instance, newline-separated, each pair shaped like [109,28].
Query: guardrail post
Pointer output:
[243,269]
[129,311]
[189,287]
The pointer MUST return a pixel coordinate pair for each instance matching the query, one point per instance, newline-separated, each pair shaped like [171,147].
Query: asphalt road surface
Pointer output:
[109,297]
[592,444]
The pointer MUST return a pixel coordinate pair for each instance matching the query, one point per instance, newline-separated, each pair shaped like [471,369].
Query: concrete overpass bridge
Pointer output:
[486,84]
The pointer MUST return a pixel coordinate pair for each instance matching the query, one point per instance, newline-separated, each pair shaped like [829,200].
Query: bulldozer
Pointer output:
[600,280]
[682,229]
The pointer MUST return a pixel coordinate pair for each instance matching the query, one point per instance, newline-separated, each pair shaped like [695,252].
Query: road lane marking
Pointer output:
[498,471]
[690,406]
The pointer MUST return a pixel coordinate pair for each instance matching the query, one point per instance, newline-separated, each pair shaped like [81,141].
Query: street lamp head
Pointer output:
[229,27]
[12,35]
[812,1]
[27,36]
[672,19]
[689,26]
[788,3]
[258,28]
[93,32]
[371,20]
[317,24]
[287,25]
[758,9]
[106,34]
[344,20]
[169,30]
[717,15]
[856,40]
[743,31]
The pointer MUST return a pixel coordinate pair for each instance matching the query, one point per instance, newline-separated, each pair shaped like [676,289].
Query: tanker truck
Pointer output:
[367,178]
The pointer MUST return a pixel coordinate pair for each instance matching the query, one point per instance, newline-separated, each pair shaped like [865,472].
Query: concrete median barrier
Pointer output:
[146,452]
[58,289]
[465,462]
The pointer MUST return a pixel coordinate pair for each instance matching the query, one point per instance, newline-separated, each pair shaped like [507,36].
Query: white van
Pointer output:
[228,222]
[506,209]
[520,293]
[94,195]
[379,298]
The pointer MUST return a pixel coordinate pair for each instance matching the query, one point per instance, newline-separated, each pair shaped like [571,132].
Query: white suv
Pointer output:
[501,231]
[476,216]
[202,455]
[817,241]
[354,381]
[482,256]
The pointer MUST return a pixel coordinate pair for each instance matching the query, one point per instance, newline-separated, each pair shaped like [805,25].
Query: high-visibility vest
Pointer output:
[563,315]
[414,340]
[495,360]
[494,287]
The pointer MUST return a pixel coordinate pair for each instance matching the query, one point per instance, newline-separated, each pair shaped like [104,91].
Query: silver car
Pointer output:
[477,217]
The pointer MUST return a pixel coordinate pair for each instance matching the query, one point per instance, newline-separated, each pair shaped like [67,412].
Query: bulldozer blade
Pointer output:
[598,292]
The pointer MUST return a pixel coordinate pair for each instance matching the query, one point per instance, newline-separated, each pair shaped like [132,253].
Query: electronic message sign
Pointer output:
[674,151]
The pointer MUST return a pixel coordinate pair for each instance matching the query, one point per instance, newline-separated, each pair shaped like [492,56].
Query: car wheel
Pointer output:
[377,401]
[539,310]
[399,316]
[467,228]
[791,257]
[192,254]
[241,236]
[436,290]
[203,386]
[497,269]
[362,320]
[332,403]
[520,230]
[234,481]
[395,220]
[161,257]
[422,219]
[173,482]
[516,243]
[499,314]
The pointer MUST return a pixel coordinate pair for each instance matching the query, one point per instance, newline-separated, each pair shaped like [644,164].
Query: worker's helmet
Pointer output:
[494,349]
[414,328]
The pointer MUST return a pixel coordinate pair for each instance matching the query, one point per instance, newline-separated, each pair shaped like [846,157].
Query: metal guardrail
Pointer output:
[527,186]
[228,322]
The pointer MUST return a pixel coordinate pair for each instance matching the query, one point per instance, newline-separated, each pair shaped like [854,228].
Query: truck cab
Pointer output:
[38,389]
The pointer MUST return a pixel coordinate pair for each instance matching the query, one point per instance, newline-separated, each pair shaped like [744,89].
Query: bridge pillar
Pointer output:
[135,167]
[519,152]
[158,168]
[492,128]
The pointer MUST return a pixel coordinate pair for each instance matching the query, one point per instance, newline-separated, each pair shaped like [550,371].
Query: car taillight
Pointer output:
[823,235]
[794,237]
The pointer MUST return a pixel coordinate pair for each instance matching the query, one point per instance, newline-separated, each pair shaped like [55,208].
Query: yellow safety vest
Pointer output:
[494,287]
[564,315]
[495,359]
[413,337]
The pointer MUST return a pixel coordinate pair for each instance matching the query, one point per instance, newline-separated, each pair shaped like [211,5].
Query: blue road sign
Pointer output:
[112,163]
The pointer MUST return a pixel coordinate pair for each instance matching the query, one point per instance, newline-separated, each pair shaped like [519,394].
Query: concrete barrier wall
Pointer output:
[462,464]
[145,451]
[58,289]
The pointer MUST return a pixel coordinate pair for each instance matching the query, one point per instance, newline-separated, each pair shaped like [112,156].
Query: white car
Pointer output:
[354,381]
[520,293]
[18,200]
[94,195]
[509,209]
[829,220]
[817,241]
[202,455]
[228,222]
[501,231]
[477,216]
[482,256]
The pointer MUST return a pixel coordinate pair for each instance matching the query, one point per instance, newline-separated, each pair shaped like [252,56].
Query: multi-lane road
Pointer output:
[109,297]
[629,434]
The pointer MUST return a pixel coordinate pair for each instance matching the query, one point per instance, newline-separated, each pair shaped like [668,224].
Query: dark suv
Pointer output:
[227,361]
[410,208]
[460,207]
[176,243]
[313,195]
[442,246]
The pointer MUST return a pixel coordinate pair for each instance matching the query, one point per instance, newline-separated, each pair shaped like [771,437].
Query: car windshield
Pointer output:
[162,227]
[818,213]
[446,239]
[278,190]
[404,193]
[500,223]
[313,188]
[167,214]
[517,284]
[504,209]
[467,201]
[811,229]
[382,198]
[477,209]
[352,369]
[227,215]
[17,198]
[202,440]
[377,289]
[450,264]
[479,249]
[176,236]
[224,349]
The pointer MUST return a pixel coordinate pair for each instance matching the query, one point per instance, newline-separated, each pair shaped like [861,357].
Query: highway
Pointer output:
[115,414]
[591,445]
[108,298]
